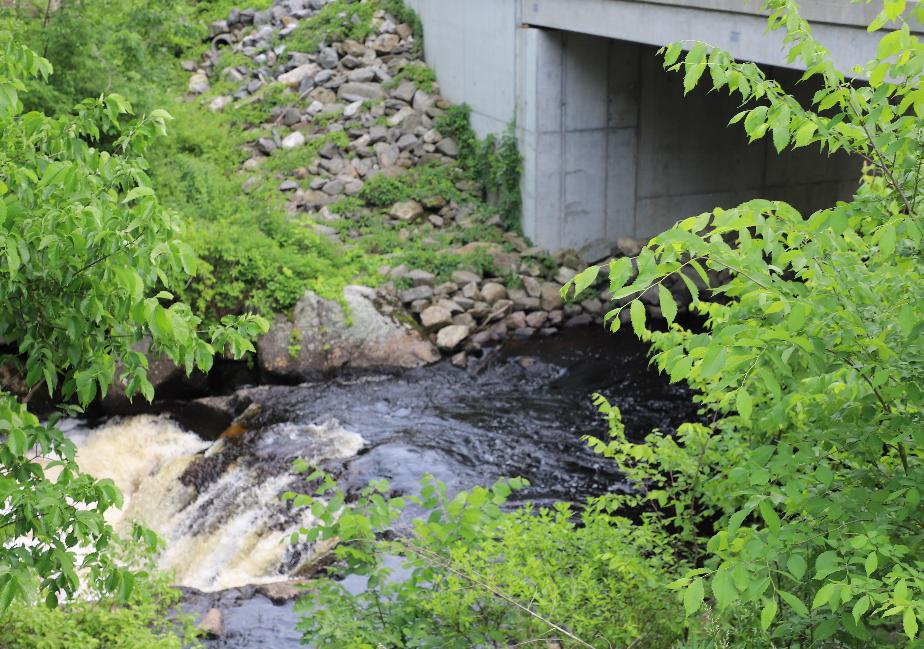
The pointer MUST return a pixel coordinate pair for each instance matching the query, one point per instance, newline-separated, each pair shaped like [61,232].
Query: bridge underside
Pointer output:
[611,146]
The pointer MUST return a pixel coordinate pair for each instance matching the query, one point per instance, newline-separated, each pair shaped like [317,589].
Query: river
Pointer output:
[519,411]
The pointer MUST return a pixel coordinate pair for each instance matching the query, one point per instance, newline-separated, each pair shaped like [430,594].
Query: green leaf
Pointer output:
[620,272]
[16,441]
[769,515]
[887,240]
[768,613]
[637,317]
[672,53]
[804,134]
[584,279]
[860,608]
[744,404]
[693,596]
[871,563]
[136,193]
[723,588]
[910,623]
[780,127]
[695,65]
[794,602]
[668,305]
[797,566]
[823,595]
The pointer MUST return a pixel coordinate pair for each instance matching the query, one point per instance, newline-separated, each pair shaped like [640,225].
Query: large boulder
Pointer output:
[319,336]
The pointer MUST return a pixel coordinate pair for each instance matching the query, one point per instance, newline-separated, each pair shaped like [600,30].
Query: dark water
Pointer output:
[519,411]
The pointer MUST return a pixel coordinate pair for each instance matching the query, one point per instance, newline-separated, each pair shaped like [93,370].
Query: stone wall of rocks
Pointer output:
[349,88]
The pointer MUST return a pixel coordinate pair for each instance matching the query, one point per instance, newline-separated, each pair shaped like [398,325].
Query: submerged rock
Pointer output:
[320,336]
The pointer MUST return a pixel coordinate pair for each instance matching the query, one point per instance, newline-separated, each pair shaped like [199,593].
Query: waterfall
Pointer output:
[229,531]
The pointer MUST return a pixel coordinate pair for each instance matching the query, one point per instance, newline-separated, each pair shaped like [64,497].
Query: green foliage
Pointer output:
[145,620]
[88,259]
[340,20]
[806,470]
[254,255]
[495,163]
[336,21]
[481,577]
[428,181]
[102,47]
[420,74]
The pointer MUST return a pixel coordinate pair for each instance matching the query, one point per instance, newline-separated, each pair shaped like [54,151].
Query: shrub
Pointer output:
[479,577]
[147,620]
[800,490]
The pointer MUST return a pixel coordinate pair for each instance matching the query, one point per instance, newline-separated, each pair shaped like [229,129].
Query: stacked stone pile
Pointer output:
[350,101]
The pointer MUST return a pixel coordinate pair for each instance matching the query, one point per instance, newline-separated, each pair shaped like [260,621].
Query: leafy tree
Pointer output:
[808,468]
[88,257]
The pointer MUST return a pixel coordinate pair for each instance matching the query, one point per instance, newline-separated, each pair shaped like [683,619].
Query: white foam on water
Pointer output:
[233,533]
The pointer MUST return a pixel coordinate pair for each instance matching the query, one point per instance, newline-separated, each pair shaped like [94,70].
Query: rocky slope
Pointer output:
[344,118]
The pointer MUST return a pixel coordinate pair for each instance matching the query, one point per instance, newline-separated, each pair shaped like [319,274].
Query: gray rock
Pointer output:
[325,341]
[293,140]
[387,154]
[353,48]
[218,27]
[516,320]
[291,116]
[471,291]
[460,360]
[280,592]
[262,18]
[421,277]
[377,134]
[447,146]
[198,83]
[355,91]
[532,286]
[405,92]
[288,186]
[361,74]
[386,43]
[416,293]
[577,321]
[449,338]
[323,77]
[328,58]
[294,77]
[435,317]
[565,275]
[628,246]
[406,140]
[592,306]
[450,305]
[406,210]
[266,145]
[353,109]
[491,292]
[537,319]
[550,297]
[465,277]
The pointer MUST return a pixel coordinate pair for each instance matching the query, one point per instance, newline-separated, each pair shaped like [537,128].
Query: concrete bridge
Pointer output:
[611,147]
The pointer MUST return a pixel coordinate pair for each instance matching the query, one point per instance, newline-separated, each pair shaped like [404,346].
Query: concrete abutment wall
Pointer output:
[611,146]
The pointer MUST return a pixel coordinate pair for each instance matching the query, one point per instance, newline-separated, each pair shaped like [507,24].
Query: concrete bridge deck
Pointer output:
[611,147]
